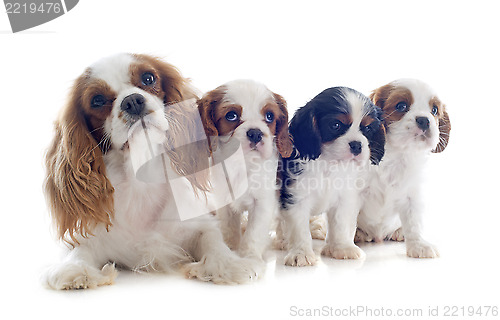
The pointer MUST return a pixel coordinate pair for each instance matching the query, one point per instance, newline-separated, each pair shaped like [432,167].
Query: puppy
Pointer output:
[249,113]
[336,135]
[417,124]
[101,209]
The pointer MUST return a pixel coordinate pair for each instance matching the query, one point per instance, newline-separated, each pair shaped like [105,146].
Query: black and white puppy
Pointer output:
[336,135]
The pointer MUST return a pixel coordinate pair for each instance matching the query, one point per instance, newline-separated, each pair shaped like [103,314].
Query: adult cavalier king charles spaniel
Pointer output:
[101,209]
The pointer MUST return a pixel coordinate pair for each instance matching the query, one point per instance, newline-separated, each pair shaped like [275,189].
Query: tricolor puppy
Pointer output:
[98,205]
[417,124]
[257,118]
[336,136]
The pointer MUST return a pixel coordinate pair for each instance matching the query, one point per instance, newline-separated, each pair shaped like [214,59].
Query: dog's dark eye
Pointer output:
[401,107]
[434,110]
[148,79]
[366,129]
[269,117]
[336,125]
[231,116]
[98,101]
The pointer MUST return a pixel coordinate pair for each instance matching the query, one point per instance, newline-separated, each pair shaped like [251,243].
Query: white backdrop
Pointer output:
[297,49]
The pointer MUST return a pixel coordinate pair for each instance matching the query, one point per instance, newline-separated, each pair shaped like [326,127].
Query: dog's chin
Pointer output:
[421,140]
[259,150]
[152,131]
[352,160]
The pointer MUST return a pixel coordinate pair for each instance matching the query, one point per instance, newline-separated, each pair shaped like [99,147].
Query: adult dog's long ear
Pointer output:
[188,151]
[206,107]
[444,132]
[377,141]
[79,195]
[305,133]
[283,138]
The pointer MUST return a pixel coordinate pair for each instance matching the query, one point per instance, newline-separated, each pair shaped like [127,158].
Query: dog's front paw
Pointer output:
[233,270]
[421,249]
[397,235]
[343,252]
[300,258]
[77,276]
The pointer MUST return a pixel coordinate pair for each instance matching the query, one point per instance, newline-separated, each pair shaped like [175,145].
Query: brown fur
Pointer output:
[387,97]
[443,123]
[188,159]
[207,107]
[344,118]
[79,195]
[284,141]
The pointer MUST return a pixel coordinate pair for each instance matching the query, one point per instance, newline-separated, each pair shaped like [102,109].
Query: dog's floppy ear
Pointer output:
[79,195]
[305,133]
[377,141]
[283,138]
[444,132]
[206,107]
[379,96]
[187,149]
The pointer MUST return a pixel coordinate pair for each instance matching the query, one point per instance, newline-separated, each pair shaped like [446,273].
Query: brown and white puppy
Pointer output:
[417,124]
[99,206]
[258,119]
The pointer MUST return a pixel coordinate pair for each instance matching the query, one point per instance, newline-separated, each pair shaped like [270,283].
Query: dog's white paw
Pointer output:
[77,276]
[232,270]
[300,258]
[318,227]
[397,235]
[421,249]
[343,252]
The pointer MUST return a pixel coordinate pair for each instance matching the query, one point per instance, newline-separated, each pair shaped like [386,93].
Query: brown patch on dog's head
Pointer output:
[388,98]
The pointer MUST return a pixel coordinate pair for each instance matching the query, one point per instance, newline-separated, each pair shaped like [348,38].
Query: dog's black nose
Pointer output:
[134,104]
[254,135]
[423,123]
[355,147]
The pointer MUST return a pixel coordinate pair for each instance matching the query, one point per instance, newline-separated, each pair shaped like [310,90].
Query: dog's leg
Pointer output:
[230,225]
[410,210]
[298,235]
[342,229]
[256,238]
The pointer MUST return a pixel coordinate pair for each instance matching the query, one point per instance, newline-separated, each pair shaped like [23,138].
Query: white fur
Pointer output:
[393,198]
[147,233]
[261,160]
